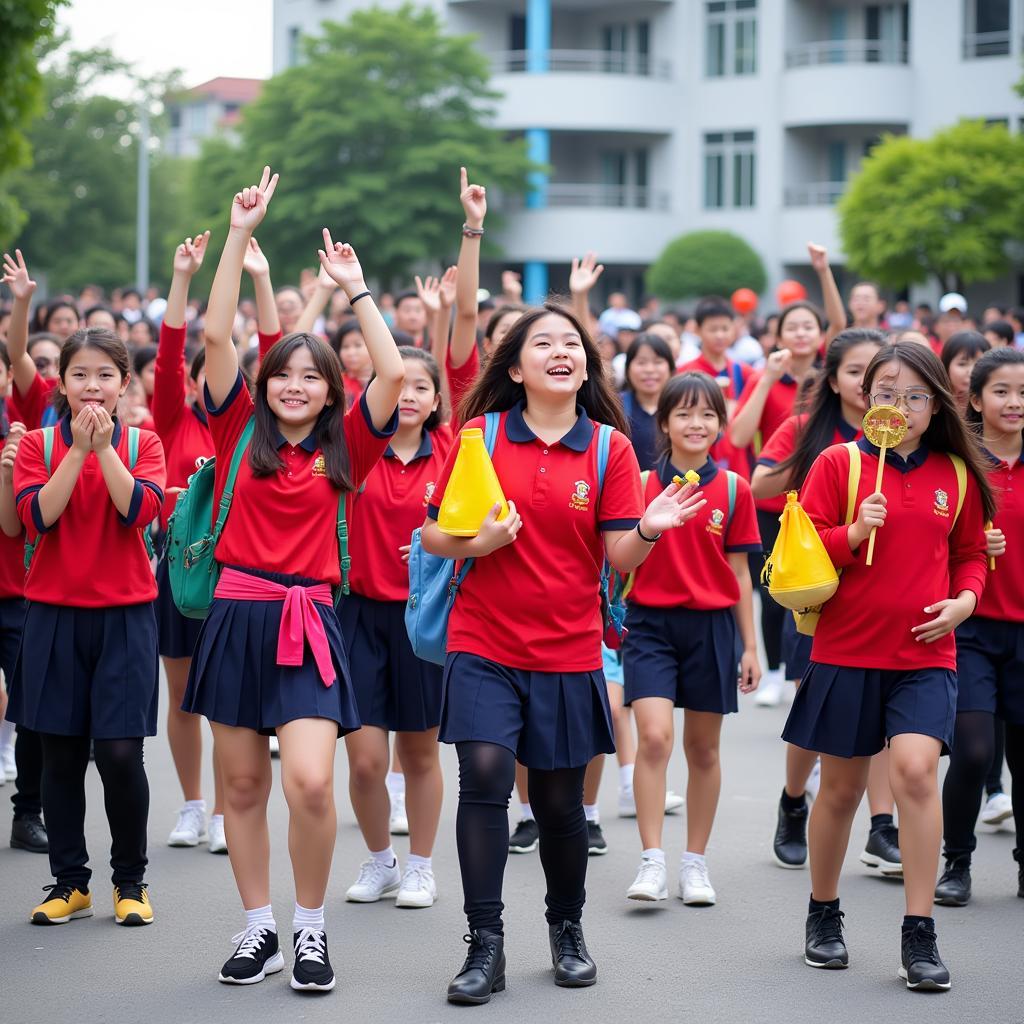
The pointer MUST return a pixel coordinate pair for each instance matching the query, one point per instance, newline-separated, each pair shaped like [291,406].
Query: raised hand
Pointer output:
[777,365]
[584,274]
[338,260]
[103,430]
[449,280]
[249,206]
[673,507]
[188,257]
[473,199]
[819,257]
[16,276]
[511,285]
[10,451]
[255,264]
[429,292]
[82,427]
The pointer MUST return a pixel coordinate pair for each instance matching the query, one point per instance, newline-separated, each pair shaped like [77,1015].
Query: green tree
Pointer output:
[368,133]
[705,263]
[23,25]
[949,207]
[80,193]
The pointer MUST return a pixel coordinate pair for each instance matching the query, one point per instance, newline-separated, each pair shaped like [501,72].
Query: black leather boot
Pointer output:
[484,969]
[574,967]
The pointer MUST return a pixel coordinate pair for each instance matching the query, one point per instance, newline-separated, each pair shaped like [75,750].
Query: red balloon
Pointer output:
[744,301]
[790,291]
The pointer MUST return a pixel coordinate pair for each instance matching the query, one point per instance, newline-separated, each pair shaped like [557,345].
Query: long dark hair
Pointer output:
[980,373]
[495,391]
[970,343]
[659,346]
[946,431]
[329,430]
[687,389]
[89,337]
[419,355]
[825,407]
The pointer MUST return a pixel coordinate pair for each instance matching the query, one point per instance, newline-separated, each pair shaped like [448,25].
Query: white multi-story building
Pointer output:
[661,117]
[213,108]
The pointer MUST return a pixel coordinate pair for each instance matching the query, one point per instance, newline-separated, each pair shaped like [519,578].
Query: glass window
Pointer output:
[730,38]
[837,161]
[986,28]
[730,170]
[293,46]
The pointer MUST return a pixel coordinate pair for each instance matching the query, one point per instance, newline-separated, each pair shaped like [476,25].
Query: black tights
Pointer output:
[994,780]
[125,796]
[1015,762]
[773,615]
[487,773]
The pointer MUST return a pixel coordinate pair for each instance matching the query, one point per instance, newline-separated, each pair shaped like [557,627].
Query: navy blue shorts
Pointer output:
[990,668]
[178,634]
[235,679]
[690,657]
[853,712]
[549,720]
[87,671]
[394,689]
[12,622]
[796,649]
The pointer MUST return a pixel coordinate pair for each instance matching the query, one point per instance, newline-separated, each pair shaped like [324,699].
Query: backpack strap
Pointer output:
[133,447]
[730,478]
[491,422]
[737,380]
[961,482]
[48,448]
[229,483]
[852,481]
[343,557]
[604,445]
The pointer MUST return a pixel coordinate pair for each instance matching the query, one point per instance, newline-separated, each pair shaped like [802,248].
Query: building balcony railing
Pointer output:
[565,195]
[819,193]
[847,51]
[592,62]
[987,44]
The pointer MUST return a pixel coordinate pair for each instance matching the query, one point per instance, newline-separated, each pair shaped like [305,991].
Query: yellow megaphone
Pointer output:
[473,489]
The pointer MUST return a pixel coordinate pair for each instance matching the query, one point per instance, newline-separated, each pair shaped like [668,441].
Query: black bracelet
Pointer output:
[361,295]
[645,539]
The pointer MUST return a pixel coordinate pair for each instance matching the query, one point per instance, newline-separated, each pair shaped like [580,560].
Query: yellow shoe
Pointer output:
[131,904]
[65,904]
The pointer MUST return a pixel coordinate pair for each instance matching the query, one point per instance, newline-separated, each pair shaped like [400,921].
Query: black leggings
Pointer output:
[994,779]
[487,773]
[28,756]
[125,796]
[773,615]
[1015,762]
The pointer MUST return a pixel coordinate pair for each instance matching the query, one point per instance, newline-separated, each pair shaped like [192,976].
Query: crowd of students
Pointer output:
[642,445]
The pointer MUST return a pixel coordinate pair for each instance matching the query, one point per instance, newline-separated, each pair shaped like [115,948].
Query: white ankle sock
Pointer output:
[307,918]
[526,812]
[262,916]
[625,776]
[216,818]
[414,861]
[590,810]
[395,782]
[696,858]
[655,854]
[200,805]
[386,857]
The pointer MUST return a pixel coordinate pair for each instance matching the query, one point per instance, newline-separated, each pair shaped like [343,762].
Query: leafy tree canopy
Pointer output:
[705,263]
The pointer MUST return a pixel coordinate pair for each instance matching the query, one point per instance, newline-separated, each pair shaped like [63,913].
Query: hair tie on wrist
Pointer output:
[355,299]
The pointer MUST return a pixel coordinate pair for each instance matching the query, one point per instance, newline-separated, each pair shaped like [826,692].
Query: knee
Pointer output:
[244,791]
[654,743]
[368,770]
[118,758]
[488,779]
[310,791]
[842,798]
[914,778]
[701,756]
[417,763]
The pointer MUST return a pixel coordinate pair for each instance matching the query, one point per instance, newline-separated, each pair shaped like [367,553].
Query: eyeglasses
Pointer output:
[915,401]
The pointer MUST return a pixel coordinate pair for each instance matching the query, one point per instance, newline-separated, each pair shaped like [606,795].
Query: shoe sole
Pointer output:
[217,849]
[645,896]
[629,814]
[830,965]
[998,819]
[186,842]
[525,849]
[887,867]
[701,901]
[388,893]
[597,851]
[312,986]
[133,920]
[674,809]
[575,983]
[924,986]
[17,844]
[41,918]
[272,966]
[399,830]
[411,904]
[460,999]
[789,867]
[951,901]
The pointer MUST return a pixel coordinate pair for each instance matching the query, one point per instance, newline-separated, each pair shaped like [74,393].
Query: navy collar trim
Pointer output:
[578,438]
[425,449]
[914,461]
[69,439]
[200,414]
[996,461]
[666,471]
[847,431]
[308,443]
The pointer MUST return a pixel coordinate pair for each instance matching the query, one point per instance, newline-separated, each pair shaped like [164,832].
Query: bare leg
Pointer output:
[842,786]
[880,795]
[622,726]
[368,767]
[424,787]
[592,780]
[654,748]
[184,730]
[522,784]
[702,732]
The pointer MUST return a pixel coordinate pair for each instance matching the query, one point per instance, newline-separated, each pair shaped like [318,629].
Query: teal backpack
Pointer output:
[133,457]
[192,570]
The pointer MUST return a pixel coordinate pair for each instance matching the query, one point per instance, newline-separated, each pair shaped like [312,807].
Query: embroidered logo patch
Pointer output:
[580,499]
[319,466]
[941,503]
[428,493]
[715,521]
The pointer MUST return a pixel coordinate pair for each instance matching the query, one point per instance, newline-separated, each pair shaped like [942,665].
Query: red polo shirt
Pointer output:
[12,549]
[920,557]
[726,377]
[91,557]
[534,604]
[393,503]
[783,442]
[32,406]
[689,567]
[460,380]
[1004,594]
[287,522]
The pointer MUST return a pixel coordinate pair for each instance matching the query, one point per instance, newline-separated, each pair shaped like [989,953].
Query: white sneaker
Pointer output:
[10,769]
[190,829]
[997,809]
[813,783]
[651,882]
[217,842]
[673,802]
[627,802]
[694,884]
[399,825]
[375,881]
[275,747]
[769,693]
[418,888]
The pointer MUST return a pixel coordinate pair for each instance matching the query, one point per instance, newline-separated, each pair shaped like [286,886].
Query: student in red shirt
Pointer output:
[883,662]
[270,656]
[690,608]
[990,644]
[87,669]
[395,691]
[523,677]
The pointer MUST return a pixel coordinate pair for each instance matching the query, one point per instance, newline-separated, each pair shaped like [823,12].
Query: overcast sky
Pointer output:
[205,38]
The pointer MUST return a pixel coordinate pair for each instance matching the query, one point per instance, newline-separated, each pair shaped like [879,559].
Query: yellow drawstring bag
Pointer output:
[799,572]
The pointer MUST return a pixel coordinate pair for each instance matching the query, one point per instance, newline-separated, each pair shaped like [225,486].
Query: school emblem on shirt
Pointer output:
[941,503]
[319,466]
[580,499]
[428,493]
[715,521]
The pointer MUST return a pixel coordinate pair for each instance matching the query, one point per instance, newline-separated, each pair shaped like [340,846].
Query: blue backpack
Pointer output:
[434,581]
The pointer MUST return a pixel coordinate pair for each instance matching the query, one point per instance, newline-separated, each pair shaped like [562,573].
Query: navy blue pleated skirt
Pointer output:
[394,689]
[550,720]
[235,679]
[87,671]
[796,648]
[178,634]
[990,668]
[12,622]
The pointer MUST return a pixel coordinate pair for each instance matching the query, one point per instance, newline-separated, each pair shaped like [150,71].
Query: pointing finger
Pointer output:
[463,179]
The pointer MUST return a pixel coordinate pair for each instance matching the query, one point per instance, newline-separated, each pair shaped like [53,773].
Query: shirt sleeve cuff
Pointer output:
[748,548]
[37,512]
[618,524]
[217,410]
[837,544]
[135,508]
[766,462]
[432,512]
[389,428]
[968,578]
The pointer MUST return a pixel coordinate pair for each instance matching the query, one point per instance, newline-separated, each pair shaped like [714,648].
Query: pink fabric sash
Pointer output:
[300,618]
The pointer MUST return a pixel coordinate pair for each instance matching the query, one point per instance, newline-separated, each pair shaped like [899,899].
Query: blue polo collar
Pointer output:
[578,438]
[425,449]
[996,461]
[666,471]
[69,439]
[846,430]
[200,414]
[914,461]
[307,444]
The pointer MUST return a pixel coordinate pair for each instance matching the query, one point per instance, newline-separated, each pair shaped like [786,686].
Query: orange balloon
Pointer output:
[744,301]
[790,291]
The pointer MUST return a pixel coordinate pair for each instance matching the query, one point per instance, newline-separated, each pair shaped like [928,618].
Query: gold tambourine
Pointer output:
[885,427]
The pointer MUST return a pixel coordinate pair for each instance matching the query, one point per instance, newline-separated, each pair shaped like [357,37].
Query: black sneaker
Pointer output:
[789,848]
[921,967]
[483,973]
[825,946]
[883,851]
[256,955]
[29,834]
[596,845]
[525,838]
[954,887]
[574,966]
[312,971]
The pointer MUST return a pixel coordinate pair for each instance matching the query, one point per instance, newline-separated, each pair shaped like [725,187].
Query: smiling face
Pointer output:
[92,378]
[419,397]
[692,429]
[800,333]
[648,373]
[1001,402]
[298,393]
[552,361]
[848,382]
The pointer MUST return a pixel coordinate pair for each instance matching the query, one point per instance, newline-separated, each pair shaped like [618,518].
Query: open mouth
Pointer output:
[560,371]
[294,403]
